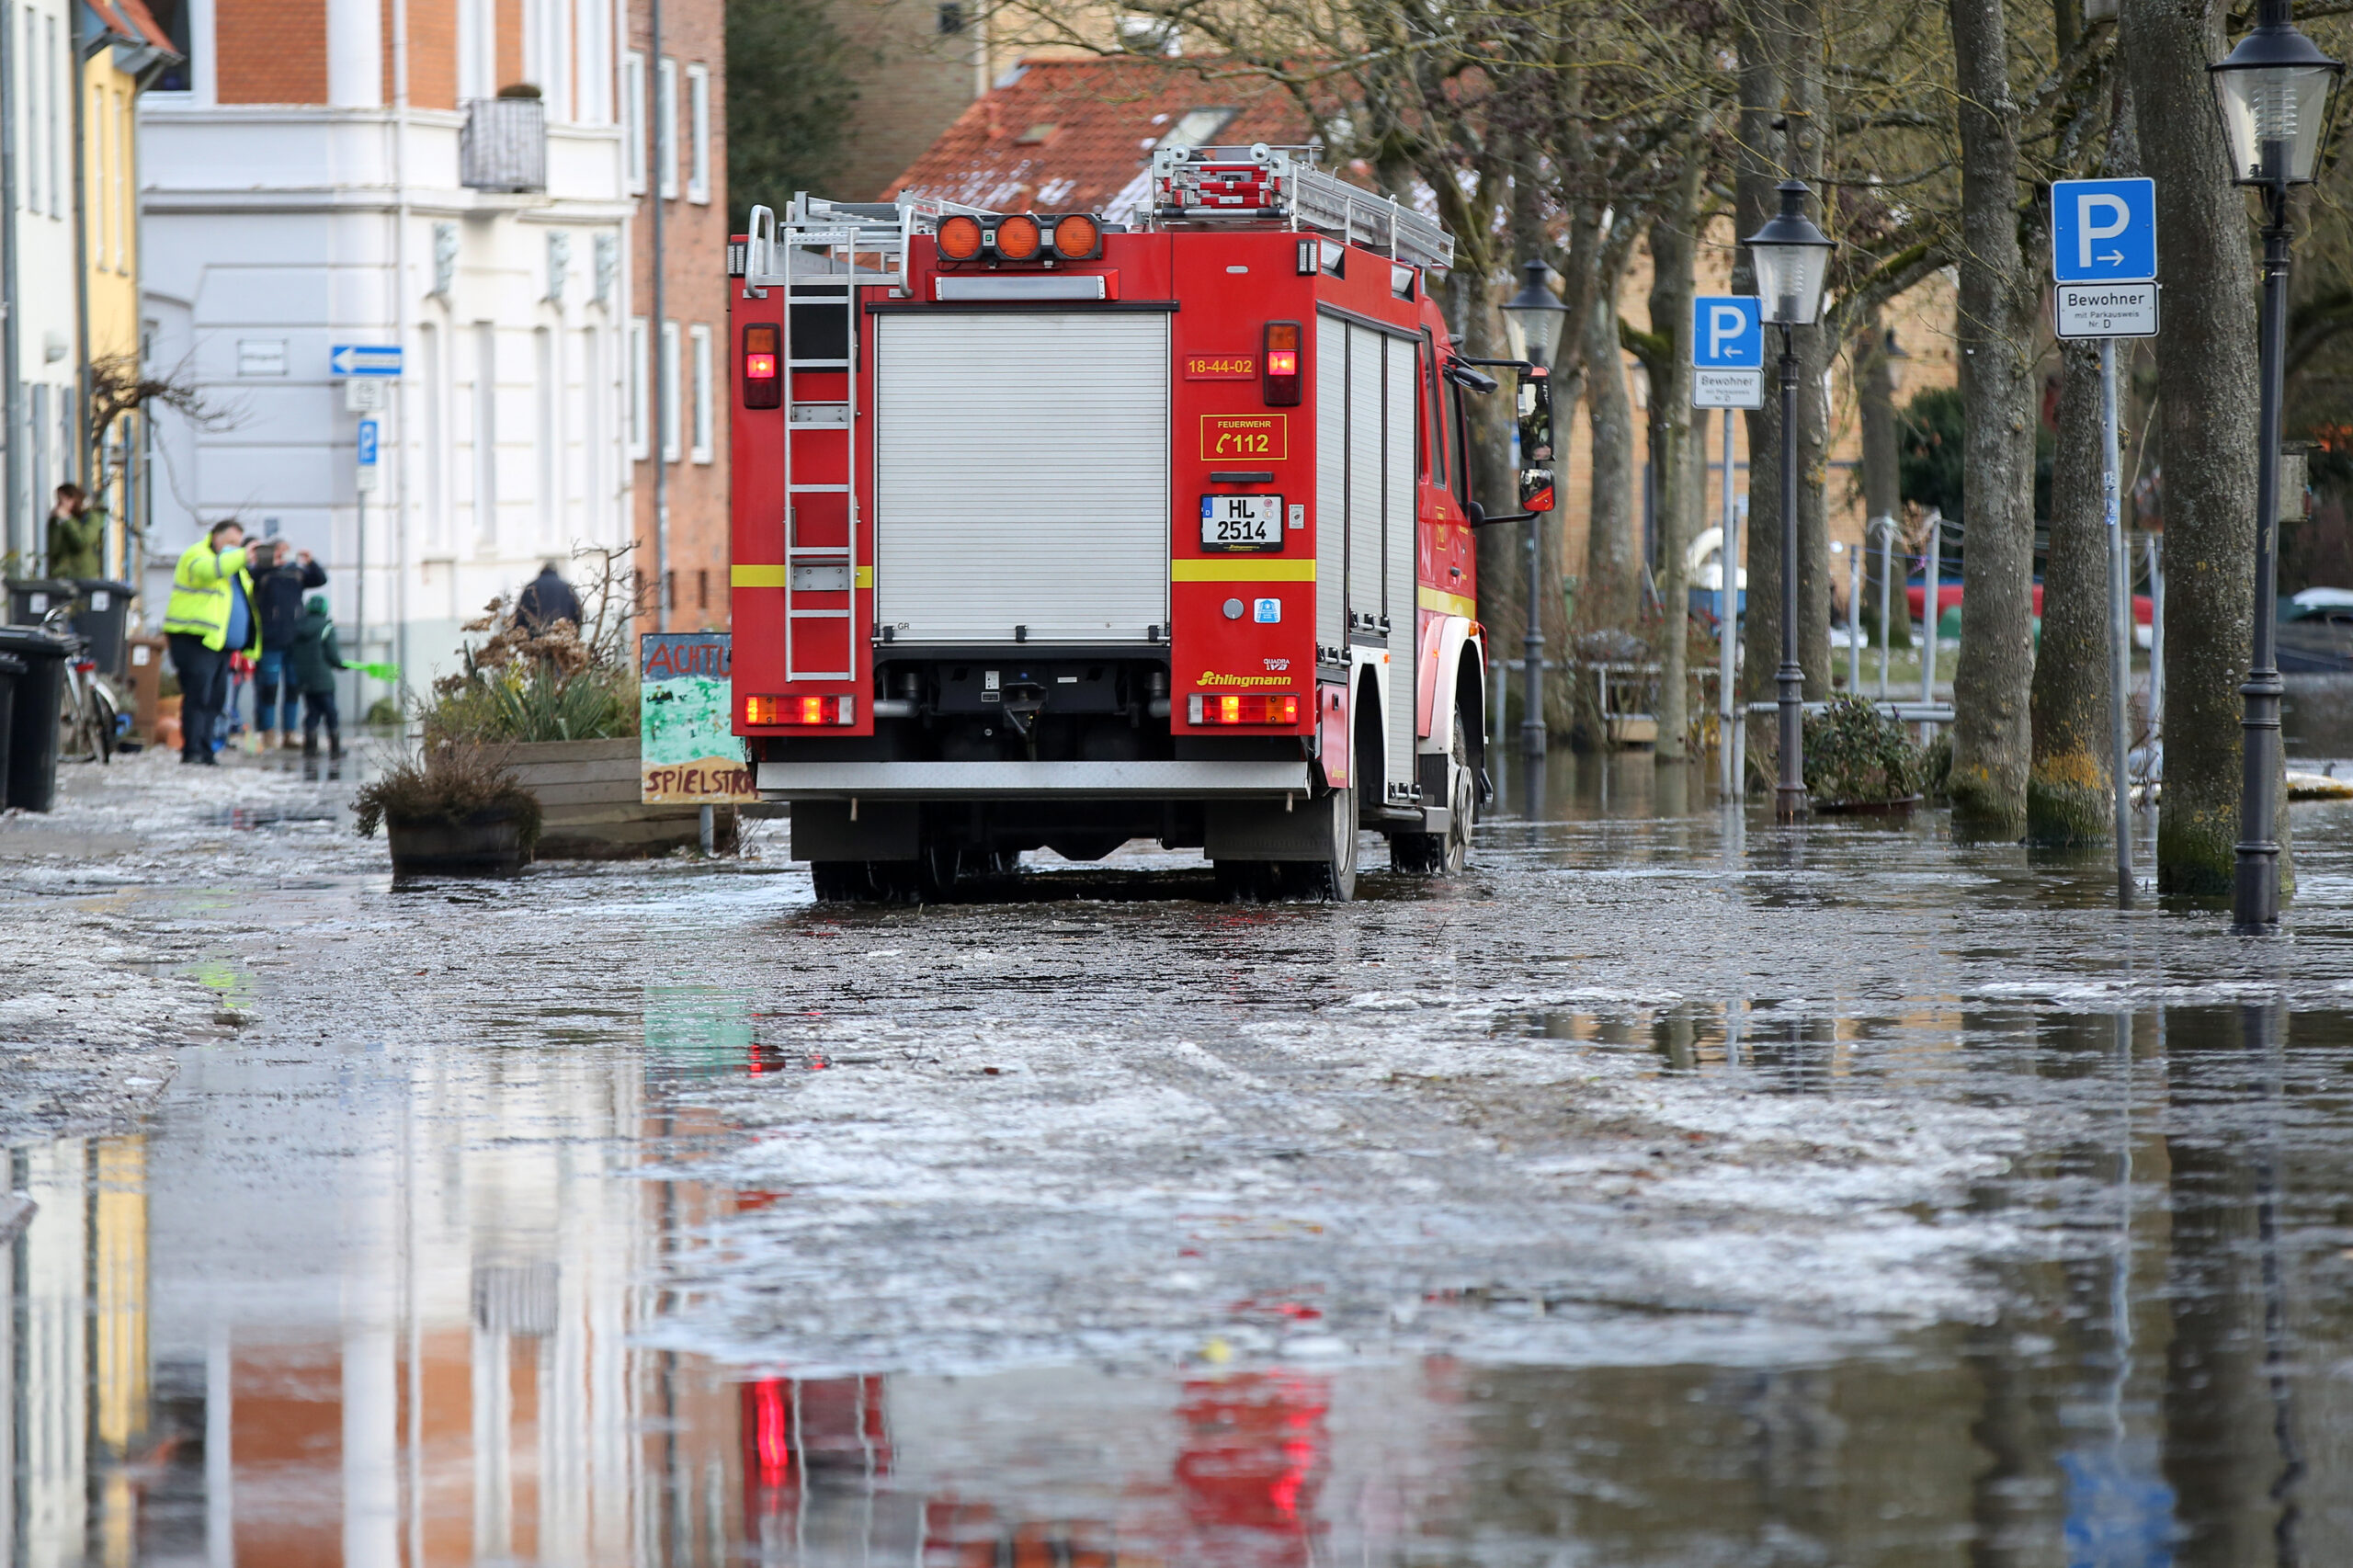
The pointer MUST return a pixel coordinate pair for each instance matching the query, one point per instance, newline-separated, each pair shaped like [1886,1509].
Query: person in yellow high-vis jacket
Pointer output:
[210,618]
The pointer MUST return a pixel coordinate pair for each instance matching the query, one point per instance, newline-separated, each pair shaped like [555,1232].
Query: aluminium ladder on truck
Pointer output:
[1211,184]
[812,253]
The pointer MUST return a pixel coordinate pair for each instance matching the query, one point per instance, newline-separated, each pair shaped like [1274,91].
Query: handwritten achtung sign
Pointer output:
[689,751]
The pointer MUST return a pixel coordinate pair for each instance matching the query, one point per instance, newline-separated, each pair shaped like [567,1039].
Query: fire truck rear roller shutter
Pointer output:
[1024,475]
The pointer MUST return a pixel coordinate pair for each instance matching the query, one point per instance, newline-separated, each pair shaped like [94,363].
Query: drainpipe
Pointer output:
[656,341]
[12,392]
[397,503]
[80,470]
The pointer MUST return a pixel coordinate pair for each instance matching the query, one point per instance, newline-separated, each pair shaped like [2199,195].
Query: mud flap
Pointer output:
[1264,830]
[884,829]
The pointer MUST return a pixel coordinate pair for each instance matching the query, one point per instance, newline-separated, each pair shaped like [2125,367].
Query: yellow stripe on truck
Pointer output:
[1253,569]
[1446,604]
[773,577]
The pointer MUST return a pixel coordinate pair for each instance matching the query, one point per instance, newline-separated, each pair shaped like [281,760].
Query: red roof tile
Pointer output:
[1072,135]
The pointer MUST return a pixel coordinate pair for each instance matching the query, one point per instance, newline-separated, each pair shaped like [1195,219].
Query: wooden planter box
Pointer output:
[589,808]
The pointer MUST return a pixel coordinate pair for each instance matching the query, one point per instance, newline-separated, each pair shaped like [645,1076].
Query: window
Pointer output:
[698,133]
[1433,432]
[485,435]
[951,18]
[670,392]
[549,395]
[701,334]
[172,16]
[633,120]
[32,112]
[54,69]
[124,218]
[702,588]
[640,409]
[665,126]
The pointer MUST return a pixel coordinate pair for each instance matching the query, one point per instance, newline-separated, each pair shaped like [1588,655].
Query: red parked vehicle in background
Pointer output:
[1049,533]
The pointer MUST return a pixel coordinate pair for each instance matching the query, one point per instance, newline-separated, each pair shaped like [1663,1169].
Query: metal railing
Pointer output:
[503,146]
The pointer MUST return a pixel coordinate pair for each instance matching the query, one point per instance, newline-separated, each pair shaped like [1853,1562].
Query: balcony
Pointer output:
[503,146]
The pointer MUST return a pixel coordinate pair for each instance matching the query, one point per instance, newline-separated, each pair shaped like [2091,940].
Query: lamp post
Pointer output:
[2275,89]
[1539,313]
[1792,259]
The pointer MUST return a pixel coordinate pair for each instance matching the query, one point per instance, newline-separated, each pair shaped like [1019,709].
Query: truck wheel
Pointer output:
[1332,879]
[840,881]
[1443,854]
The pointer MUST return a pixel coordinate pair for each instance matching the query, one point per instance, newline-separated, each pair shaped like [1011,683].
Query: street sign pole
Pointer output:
[2104,272]
[364,481]
[2120,615]
[1732,715]
[1728,372]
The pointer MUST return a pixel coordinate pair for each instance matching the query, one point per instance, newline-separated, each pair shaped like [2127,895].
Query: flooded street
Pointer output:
[1671,1190]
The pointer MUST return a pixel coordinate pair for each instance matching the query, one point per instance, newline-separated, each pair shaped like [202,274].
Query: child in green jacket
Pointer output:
[315,657]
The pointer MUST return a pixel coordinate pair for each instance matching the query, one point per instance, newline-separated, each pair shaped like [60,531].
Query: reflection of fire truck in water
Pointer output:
[1052,534]
[821,1487]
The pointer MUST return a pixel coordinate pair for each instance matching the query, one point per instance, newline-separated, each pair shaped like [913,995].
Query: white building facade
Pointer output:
[484,237]
[39,381]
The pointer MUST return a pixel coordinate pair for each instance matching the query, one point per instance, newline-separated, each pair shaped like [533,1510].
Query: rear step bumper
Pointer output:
[1014,780]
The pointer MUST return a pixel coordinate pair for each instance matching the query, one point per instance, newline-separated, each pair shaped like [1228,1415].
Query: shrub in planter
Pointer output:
[1857,756]
[451,809]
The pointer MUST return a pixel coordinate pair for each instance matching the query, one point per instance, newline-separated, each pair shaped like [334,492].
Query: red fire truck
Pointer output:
[1050,532]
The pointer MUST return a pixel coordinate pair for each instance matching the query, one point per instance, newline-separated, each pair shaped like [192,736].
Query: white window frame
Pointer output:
[33,111]
[672,395]
[641,406]
[698,134]
[666,125]
[699,336]
[633,121]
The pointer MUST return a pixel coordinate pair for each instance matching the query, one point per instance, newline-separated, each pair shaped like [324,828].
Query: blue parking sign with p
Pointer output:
[2104,231]
[1726,333]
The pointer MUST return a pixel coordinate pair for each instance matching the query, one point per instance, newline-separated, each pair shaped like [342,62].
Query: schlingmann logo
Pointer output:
[1211,677]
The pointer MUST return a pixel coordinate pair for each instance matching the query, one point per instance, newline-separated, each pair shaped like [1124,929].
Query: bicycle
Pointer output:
[89,715]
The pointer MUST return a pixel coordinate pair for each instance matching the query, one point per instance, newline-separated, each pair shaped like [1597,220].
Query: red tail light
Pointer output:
[1244,708]
[816,711]
[1280,379]
[763,364]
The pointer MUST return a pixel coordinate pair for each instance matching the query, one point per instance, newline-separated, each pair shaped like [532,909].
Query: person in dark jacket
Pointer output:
[546,599]
[279,587]
[312,659]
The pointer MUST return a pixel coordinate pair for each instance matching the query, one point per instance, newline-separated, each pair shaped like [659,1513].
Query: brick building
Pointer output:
[675,165]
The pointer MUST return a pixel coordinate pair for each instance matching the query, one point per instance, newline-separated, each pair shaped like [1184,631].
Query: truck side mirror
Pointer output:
[1535,439]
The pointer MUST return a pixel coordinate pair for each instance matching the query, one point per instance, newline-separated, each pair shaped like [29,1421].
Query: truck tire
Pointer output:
[1330,877]
[1443,854]
[867,881]
[1333,878]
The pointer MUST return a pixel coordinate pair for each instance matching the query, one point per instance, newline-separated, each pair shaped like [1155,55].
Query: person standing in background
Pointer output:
[76,536]
[546,599]
[210,618]
[311,660]
[279,589]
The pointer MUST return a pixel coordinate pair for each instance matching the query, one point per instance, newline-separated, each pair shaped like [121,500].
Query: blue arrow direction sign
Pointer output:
[2104,231]
[364,359]
[1727,333]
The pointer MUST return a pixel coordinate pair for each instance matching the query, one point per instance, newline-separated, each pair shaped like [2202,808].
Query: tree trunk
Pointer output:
[1802,54]
[1612,590]
[1758,24]
[1992,744]
[2204,440]
[1883,475]
[2069,792]
[1681,493]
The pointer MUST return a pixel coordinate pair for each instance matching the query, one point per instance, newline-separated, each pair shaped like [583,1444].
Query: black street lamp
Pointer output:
[1539,313]
[2276,90]
[1792,259]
